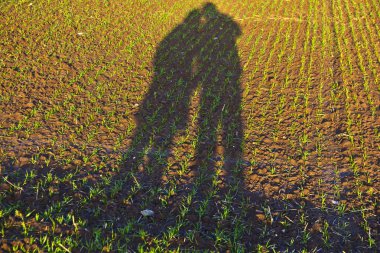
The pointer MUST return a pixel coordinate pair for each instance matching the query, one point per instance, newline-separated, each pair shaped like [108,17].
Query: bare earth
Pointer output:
[247,126]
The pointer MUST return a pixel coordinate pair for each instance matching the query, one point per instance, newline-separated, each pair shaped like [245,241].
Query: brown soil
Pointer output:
[267,110]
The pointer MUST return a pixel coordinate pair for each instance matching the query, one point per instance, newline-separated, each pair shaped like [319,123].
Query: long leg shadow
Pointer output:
[206,39]
[163,111]
[220,127]
[200,52]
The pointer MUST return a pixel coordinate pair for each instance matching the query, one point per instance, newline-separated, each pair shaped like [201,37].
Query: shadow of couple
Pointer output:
[197,61]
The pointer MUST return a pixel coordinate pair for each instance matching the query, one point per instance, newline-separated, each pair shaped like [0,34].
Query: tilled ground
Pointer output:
[250,126]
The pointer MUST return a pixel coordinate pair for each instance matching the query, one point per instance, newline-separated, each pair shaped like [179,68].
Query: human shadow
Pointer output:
[199,54]
[164,109]
[219,126]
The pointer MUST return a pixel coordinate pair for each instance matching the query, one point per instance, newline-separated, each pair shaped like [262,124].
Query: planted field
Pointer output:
[183,125]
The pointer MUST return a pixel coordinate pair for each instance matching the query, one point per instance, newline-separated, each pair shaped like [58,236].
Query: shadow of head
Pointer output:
[211,14]
[193,16]
[209,10]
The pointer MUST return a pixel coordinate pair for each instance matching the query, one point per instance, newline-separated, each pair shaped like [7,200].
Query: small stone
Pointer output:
[147,212]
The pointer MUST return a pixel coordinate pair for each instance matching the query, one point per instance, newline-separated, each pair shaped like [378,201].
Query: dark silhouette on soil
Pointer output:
[201,51]
[199,55]
[165,107]
[219,113]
